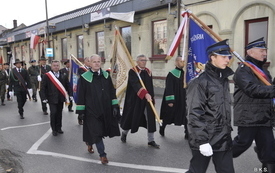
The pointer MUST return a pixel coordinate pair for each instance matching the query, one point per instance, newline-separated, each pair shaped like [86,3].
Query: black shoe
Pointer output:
[70,110]
[45,113]
[3,104]
[186,136]
[123,137]
[153,144]
[161,130]
[60,131]
[80,121]
[255,149]
[54,133]
[21,116]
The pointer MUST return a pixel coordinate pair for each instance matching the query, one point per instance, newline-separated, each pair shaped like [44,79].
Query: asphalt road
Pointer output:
[28,146]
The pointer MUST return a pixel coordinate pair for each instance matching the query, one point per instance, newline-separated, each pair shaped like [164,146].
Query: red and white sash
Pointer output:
[59,86]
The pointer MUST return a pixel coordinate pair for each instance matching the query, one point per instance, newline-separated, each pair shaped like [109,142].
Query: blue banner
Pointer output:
[74,78]
[198,41]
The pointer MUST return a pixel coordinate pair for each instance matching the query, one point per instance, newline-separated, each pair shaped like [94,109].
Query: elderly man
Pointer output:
[254,107]
[137,111]
[55,90]
[97,100]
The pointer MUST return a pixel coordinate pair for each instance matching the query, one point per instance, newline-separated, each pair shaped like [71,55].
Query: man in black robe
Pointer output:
[97,100]
[137,111]
[80,71]
[173,103]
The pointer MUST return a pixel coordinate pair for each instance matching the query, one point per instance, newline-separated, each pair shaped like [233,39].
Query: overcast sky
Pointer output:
[33,11]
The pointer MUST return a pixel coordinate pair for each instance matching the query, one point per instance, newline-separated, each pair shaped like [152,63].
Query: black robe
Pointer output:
[133,115]
[176,94]
[96,99]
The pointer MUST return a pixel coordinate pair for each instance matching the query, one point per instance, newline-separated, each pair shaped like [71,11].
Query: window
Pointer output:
[160,38]
[256,28]
[16,52]
[23,52]
[80,48]
[30,52]
[64,48]
[100,44]
[41,49]
[126,33]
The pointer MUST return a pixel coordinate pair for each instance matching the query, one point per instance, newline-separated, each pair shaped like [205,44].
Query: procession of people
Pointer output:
[203,107]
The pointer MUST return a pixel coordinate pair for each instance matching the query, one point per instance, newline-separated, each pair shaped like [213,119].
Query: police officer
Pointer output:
[3,82]
[33,71]
[43,69]
[209,113]
[254,106]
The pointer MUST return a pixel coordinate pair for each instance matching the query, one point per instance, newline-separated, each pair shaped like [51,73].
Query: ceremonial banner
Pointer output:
[74,77]
[198,41]
[121,64]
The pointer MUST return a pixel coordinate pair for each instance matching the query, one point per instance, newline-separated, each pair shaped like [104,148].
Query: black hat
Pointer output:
[67,61]
[42,58]
[33,60]
[219,48]
[259,43]
[17,61]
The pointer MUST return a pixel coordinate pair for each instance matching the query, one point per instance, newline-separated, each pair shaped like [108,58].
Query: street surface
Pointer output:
[28,146]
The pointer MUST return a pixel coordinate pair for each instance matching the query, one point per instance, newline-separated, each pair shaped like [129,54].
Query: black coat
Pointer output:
[14,82]
[43,70]
[50,92]
[133,115]
[209,109]
[65,72]
[252,99]
[97,99]
[174,93]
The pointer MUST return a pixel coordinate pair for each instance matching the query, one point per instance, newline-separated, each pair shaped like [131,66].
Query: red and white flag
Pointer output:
[34,41]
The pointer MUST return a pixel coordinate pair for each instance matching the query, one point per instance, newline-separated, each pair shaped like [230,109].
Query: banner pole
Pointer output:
[140,80]
[234,52]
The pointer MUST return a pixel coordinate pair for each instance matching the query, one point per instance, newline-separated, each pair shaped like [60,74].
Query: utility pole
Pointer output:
[47,28]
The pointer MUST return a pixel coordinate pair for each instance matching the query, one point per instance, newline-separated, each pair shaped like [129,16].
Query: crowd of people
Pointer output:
[203,108]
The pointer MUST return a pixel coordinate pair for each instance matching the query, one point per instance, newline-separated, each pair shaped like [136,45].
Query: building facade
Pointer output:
[90,30]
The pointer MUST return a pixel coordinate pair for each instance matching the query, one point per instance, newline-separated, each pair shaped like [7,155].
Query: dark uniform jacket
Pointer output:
[209,109]
[96,99]
[65,72]
[3,77]
[43,70]
[15,84]
[253,100]
[133,115]
[174,93]
[33,70]
[50,92]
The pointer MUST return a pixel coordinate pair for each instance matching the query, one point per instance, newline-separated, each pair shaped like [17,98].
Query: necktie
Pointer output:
[56,74]
[19,70]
